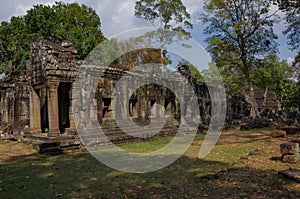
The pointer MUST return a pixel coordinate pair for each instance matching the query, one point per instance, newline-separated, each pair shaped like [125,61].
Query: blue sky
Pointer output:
[118,16]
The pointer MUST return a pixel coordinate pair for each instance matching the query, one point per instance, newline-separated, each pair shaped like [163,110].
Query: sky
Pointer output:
[118,16]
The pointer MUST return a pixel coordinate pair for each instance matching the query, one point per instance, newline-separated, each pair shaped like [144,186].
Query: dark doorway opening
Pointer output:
[64,105]
[42,94]
[106,108]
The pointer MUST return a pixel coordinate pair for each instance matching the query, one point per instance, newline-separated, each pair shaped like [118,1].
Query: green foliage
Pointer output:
[59,22]
[276,75]
[233,81]
[106,52]
[164,14]
[271,73]
[196,74]
[292,11]
[190,70]
[290,93]
[125,54]
[240,32]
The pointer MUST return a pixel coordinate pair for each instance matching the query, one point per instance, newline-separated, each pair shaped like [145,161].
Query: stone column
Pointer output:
[160,112]
[4,107]
[125,100]
[71,116]
[53,112]
[35,115]
[142,107]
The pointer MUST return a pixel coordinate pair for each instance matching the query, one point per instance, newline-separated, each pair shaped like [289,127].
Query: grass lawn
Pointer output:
[227,172]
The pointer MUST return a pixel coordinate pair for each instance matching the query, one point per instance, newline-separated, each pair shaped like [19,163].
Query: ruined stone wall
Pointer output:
[49,61]
[44,96]
[14,102]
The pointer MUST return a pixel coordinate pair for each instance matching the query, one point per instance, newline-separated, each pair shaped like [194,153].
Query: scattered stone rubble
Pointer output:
[278,134]
[290,152]
[256,123]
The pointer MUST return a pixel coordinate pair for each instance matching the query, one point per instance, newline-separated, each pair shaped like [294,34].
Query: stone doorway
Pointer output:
[107,109]
[64,105]
[44,116]
[133,108]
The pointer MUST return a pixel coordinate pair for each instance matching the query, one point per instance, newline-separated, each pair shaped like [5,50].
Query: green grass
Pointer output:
[82,176]
[153,144]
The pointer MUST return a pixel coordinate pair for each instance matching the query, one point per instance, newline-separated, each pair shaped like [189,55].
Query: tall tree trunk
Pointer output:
[250,97]
[265,95]
[161,39]
[252,101]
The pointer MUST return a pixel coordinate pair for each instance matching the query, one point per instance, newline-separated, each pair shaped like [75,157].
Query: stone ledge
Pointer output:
[292,174]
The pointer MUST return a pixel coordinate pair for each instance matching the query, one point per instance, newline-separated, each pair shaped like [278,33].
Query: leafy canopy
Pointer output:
[59,22]
[272,73]
[241,31]
[292,10]
[164,14]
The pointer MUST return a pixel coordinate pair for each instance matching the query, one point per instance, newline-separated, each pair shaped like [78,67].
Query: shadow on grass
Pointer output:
[81,176]
[243,137]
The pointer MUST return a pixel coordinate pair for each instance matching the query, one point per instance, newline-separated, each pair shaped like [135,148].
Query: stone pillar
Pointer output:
[100,111]
[4,107]
[160,109]
[35,115]
[125,100]
[53,112]
[93,110]
[71,116]
[142,103]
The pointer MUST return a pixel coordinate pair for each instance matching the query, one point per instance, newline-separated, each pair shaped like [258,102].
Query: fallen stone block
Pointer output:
[278,134]
[256,152]
[289,148]
[292,159]
[292,130]
[292,174]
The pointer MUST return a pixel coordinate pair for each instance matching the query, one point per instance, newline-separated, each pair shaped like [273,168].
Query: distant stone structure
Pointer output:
[268,102]
[14,102]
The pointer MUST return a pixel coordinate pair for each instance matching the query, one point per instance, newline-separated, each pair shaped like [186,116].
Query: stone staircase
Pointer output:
[113,134]
[52,145]
[93,139]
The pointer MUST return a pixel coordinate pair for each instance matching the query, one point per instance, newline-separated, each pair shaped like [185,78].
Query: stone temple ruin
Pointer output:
[38,106]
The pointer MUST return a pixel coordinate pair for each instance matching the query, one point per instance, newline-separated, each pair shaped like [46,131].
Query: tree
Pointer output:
[271,73]
[240,32]
[276,75]
[290,93]
[14,46]
[292,11]
[57,23]
[123,54]
[164,15]
[190,71]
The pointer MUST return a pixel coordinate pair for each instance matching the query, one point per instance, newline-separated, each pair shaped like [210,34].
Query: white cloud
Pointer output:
[21,9]
[194,8]
[117,16]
